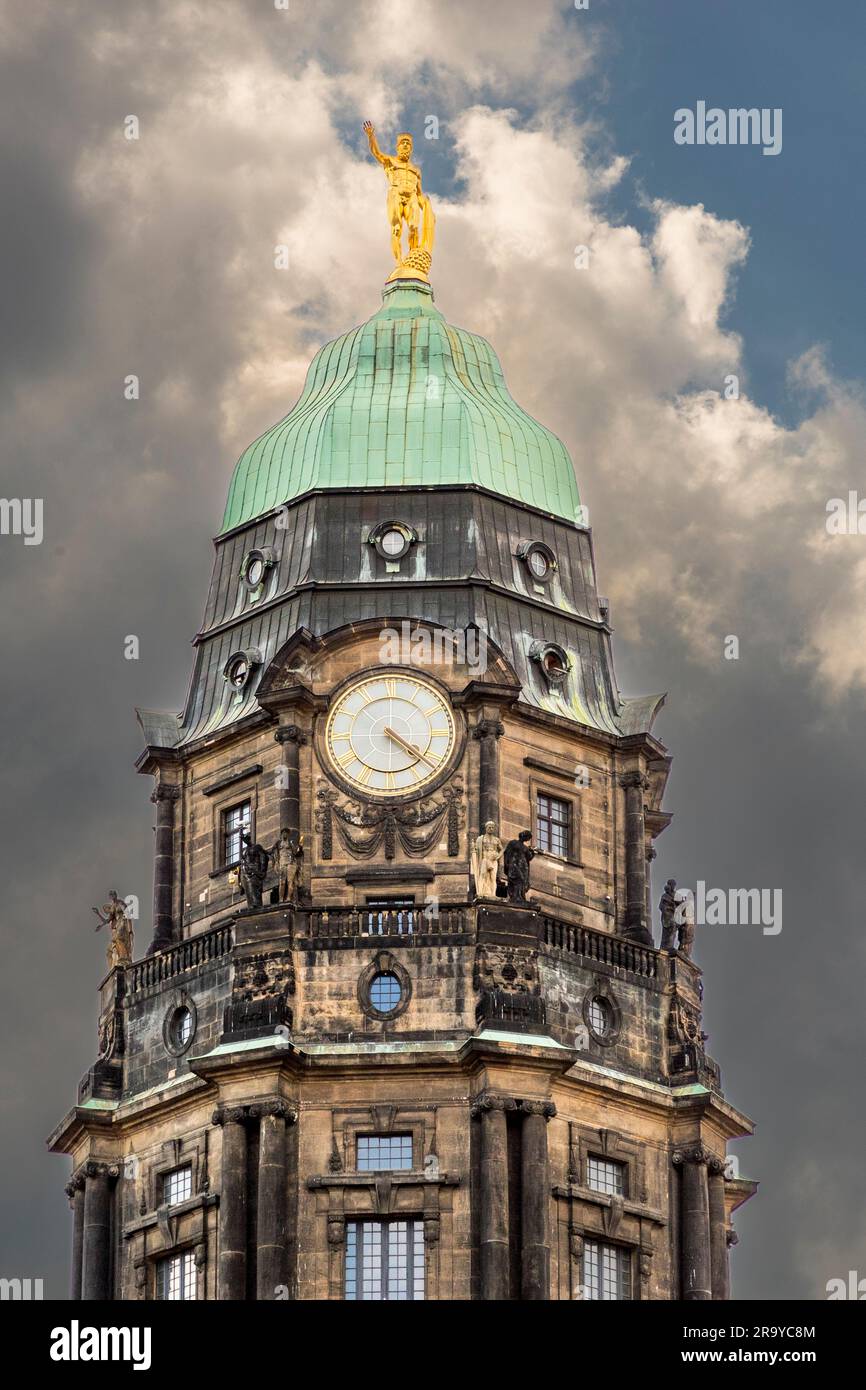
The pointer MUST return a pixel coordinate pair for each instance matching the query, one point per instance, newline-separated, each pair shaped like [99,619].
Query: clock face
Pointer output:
[390,734]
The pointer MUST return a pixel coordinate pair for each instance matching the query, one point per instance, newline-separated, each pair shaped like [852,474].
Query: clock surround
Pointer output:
[434,728]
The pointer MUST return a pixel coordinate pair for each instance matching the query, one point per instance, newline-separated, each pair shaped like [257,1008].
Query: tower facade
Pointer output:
[361,1060]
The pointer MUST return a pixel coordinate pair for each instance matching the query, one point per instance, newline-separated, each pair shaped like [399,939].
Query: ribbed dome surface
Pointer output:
[404,400]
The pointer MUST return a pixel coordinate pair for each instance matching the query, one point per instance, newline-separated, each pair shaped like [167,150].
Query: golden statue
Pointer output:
[122,938]
[406,204]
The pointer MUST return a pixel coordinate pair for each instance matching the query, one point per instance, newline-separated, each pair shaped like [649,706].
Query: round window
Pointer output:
[599,1016]
[554,664]
[254,570]
[178,1029]
[539,564]
[393,543]
[181,1027]
[392,539]
[239,672]
[385,992]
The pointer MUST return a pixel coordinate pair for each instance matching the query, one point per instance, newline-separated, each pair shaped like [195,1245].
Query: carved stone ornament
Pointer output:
[488,728]
[491,1100]
[694,1153]
[336,1230]
[364,829]
[513,969]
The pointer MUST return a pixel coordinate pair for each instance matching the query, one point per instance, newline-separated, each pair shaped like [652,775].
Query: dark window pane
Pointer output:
[552,825]
[235,822]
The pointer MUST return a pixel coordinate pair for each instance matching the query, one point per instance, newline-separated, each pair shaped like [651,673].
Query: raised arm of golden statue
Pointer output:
[407,205]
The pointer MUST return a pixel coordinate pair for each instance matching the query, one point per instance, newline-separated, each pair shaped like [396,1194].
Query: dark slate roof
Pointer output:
[464,570]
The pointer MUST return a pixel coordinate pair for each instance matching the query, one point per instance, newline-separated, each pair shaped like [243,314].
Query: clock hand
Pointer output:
[409,747]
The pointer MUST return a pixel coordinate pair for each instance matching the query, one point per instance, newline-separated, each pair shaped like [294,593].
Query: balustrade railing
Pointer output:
[165,965]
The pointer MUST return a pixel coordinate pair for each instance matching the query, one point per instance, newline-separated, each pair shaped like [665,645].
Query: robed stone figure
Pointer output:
[254,868]
[516,860]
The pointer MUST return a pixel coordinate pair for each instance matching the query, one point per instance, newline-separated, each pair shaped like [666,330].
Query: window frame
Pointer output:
[224,833]
[166,1178]
[619,1164]
[549,821]
[189,1271]
[390,1136]
[623,1253]
[540,786]
[354,1264]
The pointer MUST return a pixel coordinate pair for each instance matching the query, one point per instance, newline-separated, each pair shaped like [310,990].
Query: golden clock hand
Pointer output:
[408,747]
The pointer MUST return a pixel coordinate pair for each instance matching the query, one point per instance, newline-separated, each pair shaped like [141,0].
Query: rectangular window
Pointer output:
[236,820]
[604,1176]
[552,819]
[390,915]
[177,1185]
[606,1272]
[175,1278]
[384,1152]
[385,1260]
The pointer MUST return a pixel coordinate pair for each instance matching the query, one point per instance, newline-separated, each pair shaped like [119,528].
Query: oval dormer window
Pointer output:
[539,560]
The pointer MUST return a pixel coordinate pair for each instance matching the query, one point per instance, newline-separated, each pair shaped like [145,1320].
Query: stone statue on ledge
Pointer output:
[686,922]
[516,861]
[486,854]
[122,936]
[254,868]
[677,910]
[286,857]
[667,911]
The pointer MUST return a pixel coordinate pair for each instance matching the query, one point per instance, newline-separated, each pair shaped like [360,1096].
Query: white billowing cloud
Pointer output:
[244,148]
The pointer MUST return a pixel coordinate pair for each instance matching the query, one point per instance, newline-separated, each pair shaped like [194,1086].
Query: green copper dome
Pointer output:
[404,400]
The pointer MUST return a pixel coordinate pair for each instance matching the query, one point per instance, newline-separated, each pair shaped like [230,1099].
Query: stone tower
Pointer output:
[359,1061]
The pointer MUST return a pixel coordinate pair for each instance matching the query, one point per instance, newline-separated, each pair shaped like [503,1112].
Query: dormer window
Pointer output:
[255,568]
[554,661]
[239,667]
[392,540]
[540,563]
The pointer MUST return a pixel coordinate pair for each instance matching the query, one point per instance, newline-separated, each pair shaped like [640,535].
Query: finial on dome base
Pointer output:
[407,205]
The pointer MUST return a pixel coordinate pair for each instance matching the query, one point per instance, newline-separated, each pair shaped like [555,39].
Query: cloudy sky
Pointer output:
[155,257]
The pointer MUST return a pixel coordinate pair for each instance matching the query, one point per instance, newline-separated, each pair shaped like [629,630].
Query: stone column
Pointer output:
[535,1201]
[695,1234]
[75,1193]
[96,1232]
[272,1235]
[291,738]
[718,1230]
[650,856]
[487,731]
[164,797]
[636,928]
[494,1195]
[232,1268]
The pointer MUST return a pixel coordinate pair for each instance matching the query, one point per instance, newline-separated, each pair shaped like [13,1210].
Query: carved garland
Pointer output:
[389,825]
